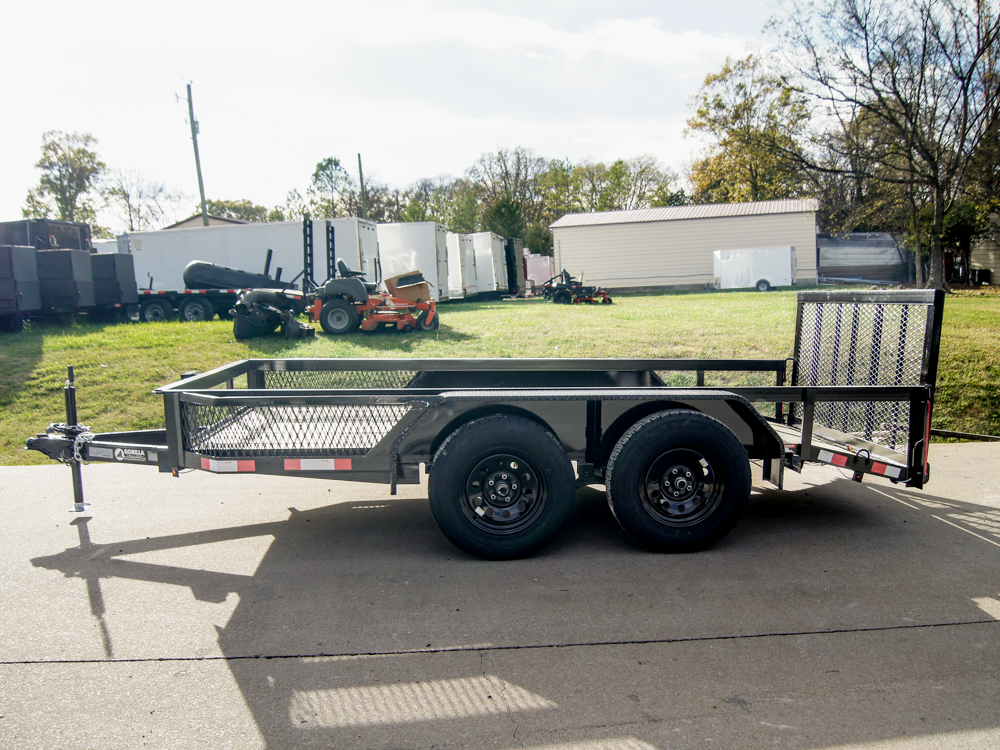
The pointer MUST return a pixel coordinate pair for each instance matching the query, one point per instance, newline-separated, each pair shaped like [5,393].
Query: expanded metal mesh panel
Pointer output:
[240,381]
[717,378]
[288,431]
[862,344]
[340,379]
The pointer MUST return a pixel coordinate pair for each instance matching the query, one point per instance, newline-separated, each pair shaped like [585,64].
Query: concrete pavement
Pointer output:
[237,611]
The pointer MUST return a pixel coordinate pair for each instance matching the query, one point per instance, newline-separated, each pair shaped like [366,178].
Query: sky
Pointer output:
[418,88]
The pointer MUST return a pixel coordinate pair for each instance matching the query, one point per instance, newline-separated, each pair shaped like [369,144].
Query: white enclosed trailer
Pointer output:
[462,278]
[762,268]
[416,246]
[161,256]
[491,262]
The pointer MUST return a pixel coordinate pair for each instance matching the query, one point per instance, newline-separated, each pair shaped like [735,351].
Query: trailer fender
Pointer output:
[481,412]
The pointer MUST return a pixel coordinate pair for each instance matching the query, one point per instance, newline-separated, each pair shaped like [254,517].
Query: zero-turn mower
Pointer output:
[564,289]
[349,302]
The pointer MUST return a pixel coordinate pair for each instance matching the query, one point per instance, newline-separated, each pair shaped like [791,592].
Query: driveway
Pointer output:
[212,611]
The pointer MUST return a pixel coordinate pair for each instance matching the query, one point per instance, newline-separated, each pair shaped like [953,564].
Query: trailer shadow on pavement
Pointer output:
[834,614]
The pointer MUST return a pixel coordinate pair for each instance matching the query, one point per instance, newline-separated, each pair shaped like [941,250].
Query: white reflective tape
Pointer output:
[825,456]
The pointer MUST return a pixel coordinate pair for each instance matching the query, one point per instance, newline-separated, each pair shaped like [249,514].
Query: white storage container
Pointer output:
[416,246]
[540,269]
[491,263]
[462,279]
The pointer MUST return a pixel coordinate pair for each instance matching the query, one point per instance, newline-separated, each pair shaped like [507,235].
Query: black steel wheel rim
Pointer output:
[682,487]
[503,493]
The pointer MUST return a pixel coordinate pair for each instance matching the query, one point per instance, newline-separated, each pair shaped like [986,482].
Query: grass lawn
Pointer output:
[117,366]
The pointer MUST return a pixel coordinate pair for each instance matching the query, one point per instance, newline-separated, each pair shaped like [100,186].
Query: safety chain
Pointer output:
[81,435]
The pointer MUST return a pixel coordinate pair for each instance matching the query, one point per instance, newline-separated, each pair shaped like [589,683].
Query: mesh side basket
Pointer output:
[331,431]
[339,379]
[863,343]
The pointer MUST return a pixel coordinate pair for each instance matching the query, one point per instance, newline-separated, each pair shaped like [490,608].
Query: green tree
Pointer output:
[330,181]
[70,170]
[505,217]
[754,121]
[923,72]
[462,215]
[244,210]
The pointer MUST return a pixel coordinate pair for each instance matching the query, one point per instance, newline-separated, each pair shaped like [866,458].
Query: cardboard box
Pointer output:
[409,286]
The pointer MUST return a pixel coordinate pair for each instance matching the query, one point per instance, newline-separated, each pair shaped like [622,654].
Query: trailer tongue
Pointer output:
[499,438]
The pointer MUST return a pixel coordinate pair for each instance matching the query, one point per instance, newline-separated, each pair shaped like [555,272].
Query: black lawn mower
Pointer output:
[564,289]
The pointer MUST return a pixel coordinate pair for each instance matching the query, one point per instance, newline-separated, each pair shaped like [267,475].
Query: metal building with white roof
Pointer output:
[673,246]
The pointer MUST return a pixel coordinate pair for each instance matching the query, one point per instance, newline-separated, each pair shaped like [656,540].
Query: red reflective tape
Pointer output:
[246,466]
[293,464]
[342,464]
[206,464]
[839,460]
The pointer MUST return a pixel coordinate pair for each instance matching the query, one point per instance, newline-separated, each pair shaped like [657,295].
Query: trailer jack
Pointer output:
[64,442]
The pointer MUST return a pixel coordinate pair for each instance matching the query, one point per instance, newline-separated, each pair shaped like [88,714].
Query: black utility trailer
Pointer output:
[672,440]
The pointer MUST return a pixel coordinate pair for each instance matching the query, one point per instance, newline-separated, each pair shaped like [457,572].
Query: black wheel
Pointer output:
[155,311]
[193,310]
[501,487]
[12,323]
[422,323]
[607,300]
[339,316]
[678,481]
[763,286]
[562,297]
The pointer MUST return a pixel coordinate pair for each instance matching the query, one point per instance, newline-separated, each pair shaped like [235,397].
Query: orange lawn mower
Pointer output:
[349,302]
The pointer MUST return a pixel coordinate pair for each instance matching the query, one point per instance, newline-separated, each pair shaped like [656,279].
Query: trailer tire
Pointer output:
[422,323]
[195,310]
[678,481]
[155,311]
[763,285]
[562,297]
[12,323]
[339,316]
[534,484]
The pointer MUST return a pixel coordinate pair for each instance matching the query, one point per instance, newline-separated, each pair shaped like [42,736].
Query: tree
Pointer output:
[329,183]
[505,217]
[922,72]
[462,215]
[142,204]
[753,119]
[243,210]
[70,170]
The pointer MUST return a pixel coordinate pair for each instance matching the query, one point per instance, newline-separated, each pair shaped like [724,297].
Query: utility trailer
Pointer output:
[499,438]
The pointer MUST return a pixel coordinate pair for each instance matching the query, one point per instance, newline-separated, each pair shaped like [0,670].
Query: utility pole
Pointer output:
[364,197]
[197,159]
